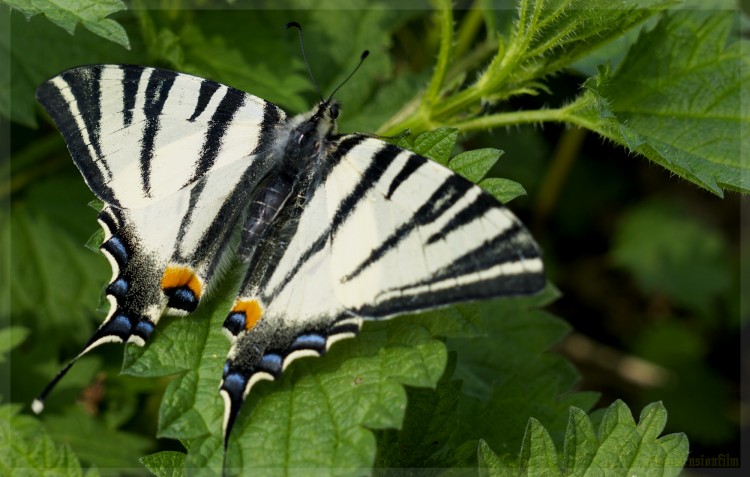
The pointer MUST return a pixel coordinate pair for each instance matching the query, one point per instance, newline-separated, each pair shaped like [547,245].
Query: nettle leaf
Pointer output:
[504,190]
[30,449]
[437,144]
[317,415]
[553,34]
[165,464]
[475,164]
[67,14]
[509,374]
[676,100]
[430,421]
[621,447]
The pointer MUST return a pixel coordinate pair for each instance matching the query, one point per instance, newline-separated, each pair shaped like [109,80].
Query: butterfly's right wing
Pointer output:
[174,158]
[383,231]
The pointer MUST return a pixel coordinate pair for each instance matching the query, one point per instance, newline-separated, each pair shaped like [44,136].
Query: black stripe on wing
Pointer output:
[131,78]
[220,121]
[449,192]
[83,84]
[160,83]
[206,92]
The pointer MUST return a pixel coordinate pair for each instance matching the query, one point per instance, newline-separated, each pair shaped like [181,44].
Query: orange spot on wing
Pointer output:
[179,276]
[252,310]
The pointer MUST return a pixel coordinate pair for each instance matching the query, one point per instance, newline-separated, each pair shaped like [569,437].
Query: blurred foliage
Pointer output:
[648,263]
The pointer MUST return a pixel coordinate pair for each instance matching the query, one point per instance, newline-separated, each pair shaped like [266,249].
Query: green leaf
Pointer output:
[580,441]
[549,35]
[300,421]
[67,14]
[429,423]
[538,451]
[492,465]
[437,144]
[165,464]
[546,37]
[29,450]
[509,374]
[504,190]
[621,447]
[682,111]
[475,164]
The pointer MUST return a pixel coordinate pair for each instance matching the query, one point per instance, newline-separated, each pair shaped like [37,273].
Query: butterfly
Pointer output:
[333,228]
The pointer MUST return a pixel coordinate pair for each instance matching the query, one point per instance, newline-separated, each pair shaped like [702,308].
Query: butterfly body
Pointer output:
[334,229]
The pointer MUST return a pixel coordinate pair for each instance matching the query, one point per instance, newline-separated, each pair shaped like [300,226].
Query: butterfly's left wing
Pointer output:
[175,159]
[382,231]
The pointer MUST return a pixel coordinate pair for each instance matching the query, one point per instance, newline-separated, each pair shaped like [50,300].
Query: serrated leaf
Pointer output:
[492,465]
[504,190]
[303,419]
[509,375]
[622,447]
[428,425]
[538,451]
[165,464]
[580,443]
[67,14]
[29,450]
[475,164]
[563,31]
[682,111]
[437,144]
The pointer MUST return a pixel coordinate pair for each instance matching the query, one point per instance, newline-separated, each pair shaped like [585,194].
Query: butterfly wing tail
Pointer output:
[119,328]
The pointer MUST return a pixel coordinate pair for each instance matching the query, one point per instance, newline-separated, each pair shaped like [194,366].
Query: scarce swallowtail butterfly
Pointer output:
[334,228]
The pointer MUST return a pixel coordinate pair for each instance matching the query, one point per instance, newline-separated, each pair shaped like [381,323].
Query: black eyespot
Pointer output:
[334,111]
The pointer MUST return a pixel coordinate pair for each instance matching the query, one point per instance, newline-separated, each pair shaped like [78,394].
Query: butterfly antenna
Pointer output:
[304,56]
[362,57]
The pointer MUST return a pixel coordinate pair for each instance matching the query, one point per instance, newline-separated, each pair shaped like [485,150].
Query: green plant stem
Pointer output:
[444,55]
[467,32]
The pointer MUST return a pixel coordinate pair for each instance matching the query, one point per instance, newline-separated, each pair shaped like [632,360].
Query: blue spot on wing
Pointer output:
[271,363]
[120,325]
[118,288]
[234,383]
[235,323]
[309,341]
[144,328]
[181,298]
[117,249]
